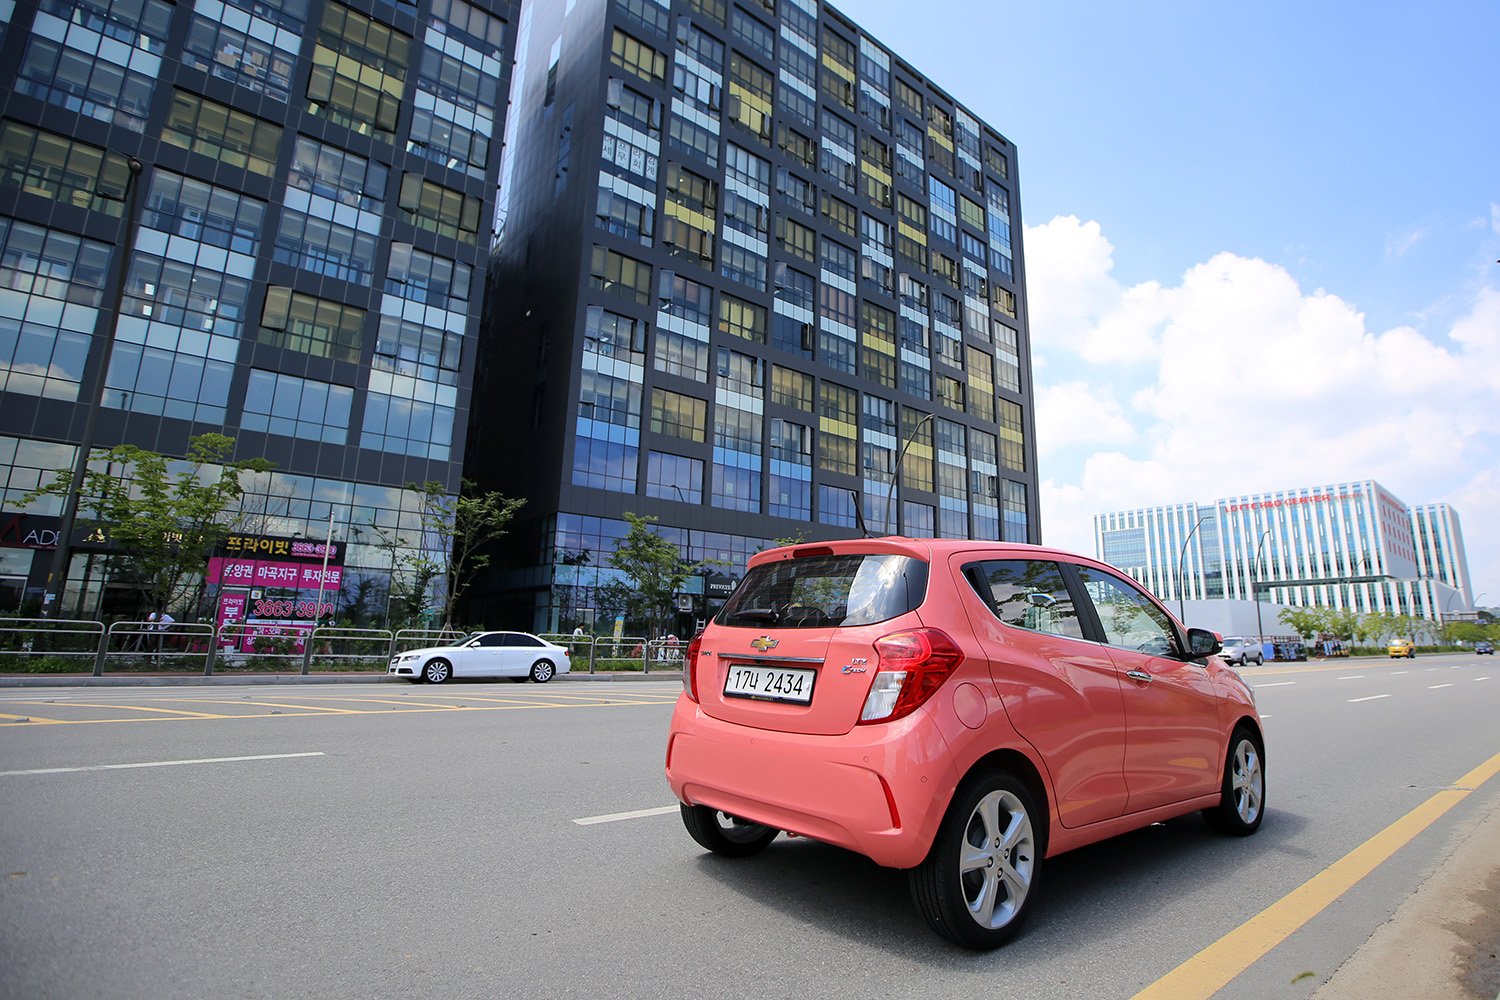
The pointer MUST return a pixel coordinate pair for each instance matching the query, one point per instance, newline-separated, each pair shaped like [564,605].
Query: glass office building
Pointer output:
[1350,545]
[316,187]
[756,277]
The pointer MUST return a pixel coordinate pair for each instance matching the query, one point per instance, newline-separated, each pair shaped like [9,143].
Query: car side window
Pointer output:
[1130,619]
[1029,594]
[491,640]
[521,639]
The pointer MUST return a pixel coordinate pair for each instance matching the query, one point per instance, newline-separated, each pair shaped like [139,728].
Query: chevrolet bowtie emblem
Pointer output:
[764,643]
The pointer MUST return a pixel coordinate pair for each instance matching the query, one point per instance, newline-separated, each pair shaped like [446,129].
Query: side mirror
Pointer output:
[1202,642]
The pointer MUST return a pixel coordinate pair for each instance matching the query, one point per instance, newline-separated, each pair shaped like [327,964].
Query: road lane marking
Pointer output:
[1370,697]
[1397,673]
[26,720]
[1351,677]
[1481,678]
[616,817]
[1277,684]
[141,708]
[159,763]
[1434,687]
[1220,963]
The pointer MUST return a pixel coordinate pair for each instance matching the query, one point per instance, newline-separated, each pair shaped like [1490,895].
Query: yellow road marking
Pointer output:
[141,708]
[308,711]
[16,720]
[1216,966]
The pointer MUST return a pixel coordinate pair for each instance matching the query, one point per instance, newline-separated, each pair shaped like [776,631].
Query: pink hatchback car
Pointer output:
[960,709]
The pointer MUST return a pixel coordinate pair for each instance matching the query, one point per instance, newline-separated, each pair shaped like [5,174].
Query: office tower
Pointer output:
[749,263]
[316,188]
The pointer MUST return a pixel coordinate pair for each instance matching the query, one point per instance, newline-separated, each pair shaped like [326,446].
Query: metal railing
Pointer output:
[62,646]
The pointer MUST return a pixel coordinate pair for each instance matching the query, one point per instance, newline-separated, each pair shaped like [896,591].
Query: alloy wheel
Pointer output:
[997,859]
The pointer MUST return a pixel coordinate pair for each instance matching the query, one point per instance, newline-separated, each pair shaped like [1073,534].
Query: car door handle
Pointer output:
[1138,675]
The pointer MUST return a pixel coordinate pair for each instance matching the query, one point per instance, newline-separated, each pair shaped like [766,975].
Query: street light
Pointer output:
[57,574]
[896,479]
[1255,583]
[1182,567]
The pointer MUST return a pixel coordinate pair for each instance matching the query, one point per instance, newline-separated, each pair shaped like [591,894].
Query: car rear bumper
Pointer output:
[879,790]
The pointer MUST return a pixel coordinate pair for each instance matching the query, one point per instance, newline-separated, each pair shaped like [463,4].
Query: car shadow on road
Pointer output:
[1095,892]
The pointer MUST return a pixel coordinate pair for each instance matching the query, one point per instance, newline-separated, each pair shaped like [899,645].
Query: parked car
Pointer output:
[1484,647]
[484,654]
[1402,647]
[964,710]
[1240,650]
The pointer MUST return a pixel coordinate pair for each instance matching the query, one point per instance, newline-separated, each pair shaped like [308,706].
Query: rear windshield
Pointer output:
[827,591]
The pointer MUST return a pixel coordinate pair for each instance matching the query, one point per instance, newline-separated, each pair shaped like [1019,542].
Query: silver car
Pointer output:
[483,654]
[1239,651]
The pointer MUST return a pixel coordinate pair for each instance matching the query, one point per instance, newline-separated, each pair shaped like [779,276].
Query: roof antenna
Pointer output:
[859,515]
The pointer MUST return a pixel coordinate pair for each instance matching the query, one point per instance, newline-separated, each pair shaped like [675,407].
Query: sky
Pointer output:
[1261,243]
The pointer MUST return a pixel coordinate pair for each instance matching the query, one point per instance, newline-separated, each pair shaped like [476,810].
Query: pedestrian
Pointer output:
[163,623]
[138,638]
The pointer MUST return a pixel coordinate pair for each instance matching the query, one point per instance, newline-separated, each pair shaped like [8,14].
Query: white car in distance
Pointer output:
[483,654]
[1239,651]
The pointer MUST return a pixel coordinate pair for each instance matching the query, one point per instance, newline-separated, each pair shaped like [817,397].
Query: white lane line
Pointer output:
[635,814]
[1351,677]
[1397,673]
[1278,684]
[159,763]
[1372,697]
[1434,687]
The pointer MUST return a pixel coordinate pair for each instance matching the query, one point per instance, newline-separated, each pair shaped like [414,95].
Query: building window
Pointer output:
[418,276]
[51,285]
[614,272]
[1012,436]
[315,326]
[843,216]
[637,57]
[791,388]
[408,347]
[420,427]
[878,345]
[838,416]
[231,137]
[797,239]
[233,43]
[1015,511]
[690,225]
[679,416]
[611,335]
[750,96]
[674,477]
[65,170]
[839,60]
[99,59]
[207,214]
[836,507]
[916,467]
[278,403]
[439,209]
[359,72]
[325,248]
[742,319]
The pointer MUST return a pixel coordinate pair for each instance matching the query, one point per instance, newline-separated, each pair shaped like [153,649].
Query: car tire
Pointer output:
[437,671]
[989,843]
[725,835]
[1242,803]
[1260,660]
[542,671]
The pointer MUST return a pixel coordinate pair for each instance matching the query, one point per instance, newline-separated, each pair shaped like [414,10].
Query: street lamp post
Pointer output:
[1260,634]
[896,478]
[57,574]
[1182,567]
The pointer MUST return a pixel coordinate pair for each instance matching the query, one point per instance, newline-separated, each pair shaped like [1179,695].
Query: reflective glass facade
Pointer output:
[810,248]
[1350,545]
[313,217]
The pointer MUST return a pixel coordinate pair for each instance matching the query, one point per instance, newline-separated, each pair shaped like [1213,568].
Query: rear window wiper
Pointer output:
[768,615]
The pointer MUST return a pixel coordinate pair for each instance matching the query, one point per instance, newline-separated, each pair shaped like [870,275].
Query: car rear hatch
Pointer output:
[793,650]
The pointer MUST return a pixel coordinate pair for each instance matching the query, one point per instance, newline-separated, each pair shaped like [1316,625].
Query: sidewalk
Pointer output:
[1443,940]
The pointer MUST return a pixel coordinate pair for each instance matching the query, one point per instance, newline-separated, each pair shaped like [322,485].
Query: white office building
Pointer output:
[1351,545]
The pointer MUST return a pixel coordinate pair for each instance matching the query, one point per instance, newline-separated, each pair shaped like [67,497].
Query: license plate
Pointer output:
[770,683]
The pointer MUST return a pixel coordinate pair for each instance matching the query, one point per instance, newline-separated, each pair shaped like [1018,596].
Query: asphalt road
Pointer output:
[398,841]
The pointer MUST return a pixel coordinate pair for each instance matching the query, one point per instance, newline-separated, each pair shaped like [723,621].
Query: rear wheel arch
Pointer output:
[1014,762]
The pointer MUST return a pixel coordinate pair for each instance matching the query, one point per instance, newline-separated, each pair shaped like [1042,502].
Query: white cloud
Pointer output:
[1250,384]
[1397,245]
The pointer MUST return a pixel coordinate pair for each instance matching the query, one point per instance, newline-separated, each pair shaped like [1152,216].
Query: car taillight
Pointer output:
[912,665]
[689,667]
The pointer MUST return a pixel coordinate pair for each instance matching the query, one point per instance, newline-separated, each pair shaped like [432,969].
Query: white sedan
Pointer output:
[483,654]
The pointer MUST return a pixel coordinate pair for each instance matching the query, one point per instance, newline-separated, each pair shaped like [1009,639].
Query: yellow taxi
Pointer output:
[1401,647]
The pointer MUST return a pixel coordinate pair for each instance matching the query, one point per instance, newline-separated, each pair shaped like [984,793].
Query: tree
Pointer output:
[1303,621]
[459,529]
[1342,622]
[655,572]
[163,517]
